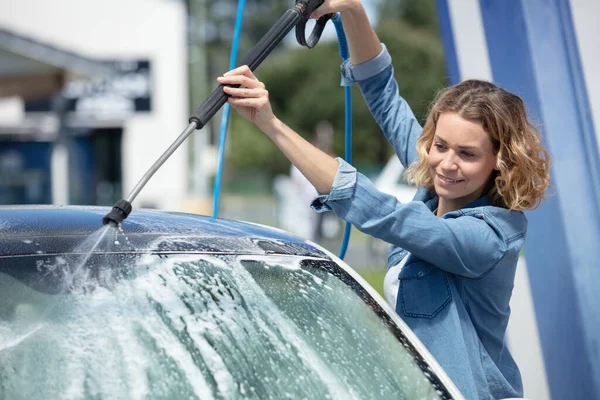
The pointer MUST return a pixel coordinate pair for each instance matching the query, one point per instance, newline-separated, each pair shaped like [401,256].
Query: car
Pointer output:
[179,306]
[293,214]
[391,180]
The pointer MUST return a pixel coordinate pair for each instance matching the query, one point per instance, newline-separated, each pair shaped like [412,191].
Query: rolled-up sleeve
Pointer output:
[354,73]
[392,113]
[343,187]
[467,245]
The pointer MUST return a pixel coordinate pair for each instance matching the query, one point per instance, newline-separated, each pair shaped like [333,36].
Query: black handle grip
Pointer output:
[210,106]
[253,59]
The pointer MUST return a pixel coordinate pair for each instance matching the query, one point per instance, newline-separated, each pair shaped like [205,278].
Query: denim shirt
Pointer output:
[456,285]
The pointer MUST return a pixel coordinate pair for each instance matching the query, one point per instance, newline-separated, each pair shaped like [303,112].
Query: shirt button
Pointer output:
[420,274]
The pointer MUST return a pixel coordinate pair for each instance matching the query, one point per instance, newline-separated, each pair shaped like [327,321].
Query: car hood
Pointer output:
[31,230]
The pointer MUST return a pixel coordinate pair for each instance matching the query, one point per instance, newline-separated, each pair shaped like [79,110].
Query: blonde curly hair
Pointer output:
[522,171]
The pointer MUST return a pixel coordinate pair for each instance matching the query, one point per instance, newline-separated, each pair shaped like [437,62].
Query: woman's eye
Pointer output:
[439,146]
[467,154]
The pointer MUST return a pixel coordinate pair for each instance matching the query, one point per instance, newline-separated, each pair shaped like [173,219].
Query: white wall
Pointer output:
[108,29]
[11,110]
[524,338]
[585,18]
[469,38]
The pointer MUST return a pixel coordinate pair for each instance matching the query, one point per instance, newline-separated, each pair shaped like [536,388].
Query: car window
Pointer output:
[199,326]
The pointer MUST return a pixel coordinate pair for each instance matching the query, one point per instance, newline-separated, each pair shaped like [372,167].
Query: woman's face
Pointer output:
[461,160]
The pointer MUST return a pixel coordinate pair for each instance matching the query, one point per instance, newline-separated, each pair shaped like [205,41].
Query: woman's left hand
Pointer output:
[252,99]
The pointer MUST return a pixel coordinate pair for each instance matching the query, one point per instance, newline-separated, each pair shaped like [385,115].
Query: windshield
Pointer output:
[199,326]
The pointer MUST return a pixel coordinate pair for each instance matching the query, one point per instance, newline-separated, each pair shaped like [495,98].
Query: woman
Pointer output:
[479,163]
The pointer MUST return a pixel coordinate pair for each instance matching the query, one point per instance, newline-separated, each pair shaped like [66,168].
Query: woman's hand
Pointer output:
[333,6]
[252,99]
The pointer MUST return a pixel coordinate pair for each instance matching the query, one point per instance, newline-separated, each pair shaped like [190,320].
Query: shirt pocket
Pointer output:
[424,290]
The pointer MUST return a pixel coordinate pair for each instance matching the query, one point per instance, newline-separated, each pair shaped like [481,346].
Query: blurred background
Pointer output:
[88,104]
[92,93]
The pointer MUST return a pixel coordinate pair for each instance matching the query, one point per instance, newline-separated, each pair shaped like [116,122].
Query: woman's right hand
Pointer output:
[334,6]
[252,99]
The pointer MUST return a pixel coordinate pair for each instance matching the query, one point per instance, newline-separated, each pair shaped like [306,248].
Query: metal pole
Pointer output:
[136,190]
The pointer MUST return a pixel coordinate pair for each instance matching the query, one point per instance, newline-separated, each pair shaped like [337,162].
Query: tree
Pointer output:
[304,89]
[417,13]
[211,30]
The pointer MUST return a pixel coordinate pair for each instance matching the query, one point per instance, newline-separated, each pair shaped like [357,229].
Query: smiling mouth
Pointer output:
[448,180]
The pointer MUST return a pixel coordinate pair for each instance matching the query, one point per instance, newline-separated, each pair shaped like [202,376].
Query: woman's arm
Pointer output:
[391,112]
[469,244]
[317,166]
[252,102]
[371,67]
[363,42]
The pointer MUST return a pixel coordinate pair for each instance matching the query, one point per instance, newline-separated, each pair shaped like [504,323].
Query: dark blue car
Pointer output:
[180,306]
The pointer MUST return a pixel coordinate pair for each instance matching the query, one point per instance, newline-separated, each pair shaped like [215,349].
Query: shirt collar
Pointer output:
[432,202]
[480,202]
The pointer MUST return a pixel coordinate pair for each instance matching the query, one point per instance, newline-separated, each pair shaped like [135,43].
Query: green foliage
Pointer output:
[420,14]
[304,85]
[211,29]
[374,277]
[304,88]
[417,13]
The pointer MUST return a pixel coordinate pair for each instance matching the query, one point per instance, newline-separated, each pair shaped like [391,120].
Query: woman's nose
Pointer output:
[448,162]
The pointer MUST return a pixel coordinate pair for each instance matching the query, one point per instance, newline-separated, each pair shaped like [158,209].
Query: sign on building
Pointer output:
[127,92]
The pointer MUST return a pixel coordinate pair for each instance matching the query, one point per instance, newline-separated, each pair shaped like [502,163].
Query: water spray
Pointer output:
[295,17]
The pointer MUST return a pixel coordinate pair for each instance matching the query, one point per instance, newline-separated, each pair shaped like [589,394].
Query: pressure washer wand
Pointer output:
[294,17]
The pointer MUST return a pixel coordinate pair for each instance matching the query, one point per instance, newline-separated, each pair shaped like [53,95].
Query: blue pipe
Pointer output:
[345,54]
[226,108]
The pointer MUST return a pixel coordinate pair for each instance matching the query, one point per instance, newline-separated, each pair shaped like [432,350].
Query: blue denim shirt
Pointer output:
[456,285]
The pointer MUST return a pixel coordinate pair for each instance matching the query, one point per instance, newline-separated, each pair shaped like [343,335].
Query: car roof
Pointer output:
[29,230]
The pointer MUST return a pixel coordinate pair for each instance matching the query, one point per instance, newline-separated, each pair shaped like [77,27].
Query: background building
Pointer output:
[122,87]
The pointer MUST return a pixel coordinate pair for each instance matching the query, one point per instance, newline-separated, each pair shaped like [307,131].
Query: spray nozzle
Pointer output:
[119,212]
